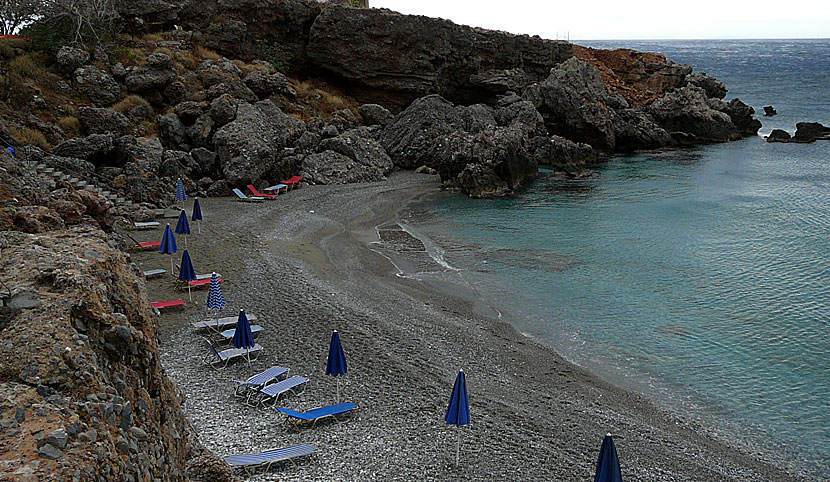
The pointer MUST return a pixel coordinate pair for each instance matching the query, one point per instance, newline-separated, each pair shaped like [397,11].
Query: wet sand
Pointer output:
[312,261]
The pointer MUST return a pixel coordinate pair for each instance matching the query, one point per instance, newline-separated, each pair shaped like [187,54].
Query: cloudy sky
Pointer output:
[635,19]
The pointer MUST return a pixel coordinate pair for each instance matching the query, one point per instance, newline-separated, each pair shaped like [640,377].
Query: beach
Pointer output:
[313,261]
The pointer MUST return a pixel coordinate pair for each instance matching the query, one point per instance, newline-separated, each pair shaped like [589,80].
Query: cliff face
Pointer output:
[85,396]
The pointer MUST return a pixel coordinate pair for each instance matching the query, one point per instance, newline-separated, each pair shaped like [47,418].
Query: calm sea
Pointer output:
[700,277]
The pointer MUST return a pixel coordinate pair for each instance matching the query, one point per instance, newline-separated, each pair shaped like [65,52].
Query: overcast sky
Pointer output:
[635,19]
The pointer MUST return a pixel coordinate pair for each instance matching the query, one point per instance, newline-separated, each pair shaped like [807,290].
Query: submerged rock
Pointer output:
[769,111]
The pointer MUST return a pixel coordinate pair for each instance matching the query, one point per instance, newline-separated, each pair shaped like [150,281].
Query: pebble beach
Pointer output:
[312,261]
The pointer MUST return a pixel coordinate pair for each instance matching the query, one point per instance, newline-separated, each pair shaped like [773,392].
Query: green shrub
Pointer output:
[275,54]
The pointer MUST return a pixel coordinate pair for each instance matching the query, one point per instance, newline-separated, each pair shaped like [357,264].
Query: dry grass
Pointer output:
[152,37]
[70,125]
[317,98]
[164,50]
[29,67]
[27,136]
[130,56]
[150,128]
[248,68]
[129,103]
[205,53]
[187,60]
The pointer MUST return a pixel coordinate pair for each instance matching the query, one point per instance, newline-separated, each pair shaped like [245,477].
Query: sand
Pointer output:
[311,262]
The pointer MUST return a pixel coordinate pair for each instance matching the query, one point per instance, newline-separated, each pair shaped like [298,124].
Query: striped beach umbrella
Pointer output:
[197,214]
[181,196]
[458,411]
[168,245]
[187,273]
[183,227]
[336,363]
[215,299]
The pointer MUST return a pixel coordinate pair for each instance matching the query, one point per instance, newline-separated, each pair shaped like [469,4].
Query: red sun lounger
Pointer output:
[167,303]
[293,182]
[149,244]
[259,194]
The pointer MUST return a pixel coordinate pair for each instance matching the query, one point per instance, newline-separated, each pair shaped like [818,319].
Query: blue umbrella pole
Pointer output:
[457,445]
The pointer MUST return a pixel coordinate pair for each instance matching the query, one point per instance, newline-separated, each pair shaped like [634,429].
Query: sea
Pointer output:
[699,277]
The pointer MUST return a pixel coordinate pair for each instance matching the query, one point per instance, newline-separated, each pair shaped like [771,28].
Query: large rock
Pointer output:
[688,117]
[172,129]
[92,148]
[266,84]
[501,160]
[398,58]
[358,145]
[330,167]
[811,131]
[155,76]
[248,146]
[96,120]
[98,85]
[741,116]
[558,151]
[411,137]
[572,102]
[712,86]
[635,130]
[375,115]
[70,58]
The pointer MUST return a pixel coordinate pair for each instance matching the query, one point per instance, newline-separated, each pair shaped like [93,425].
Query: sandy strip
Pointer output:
[310,262]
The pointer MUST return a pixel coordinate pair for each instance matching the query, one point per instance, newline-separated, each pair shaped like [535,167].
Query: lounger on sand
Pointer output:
[220,323]
[243,387]
[153,272]
[227,335]
[167,303]
[259,194]
[277,188]
[293,182]
[198,283]
[206,276]
[145,245]
[146,225]
[219,359]
[271,393]
[297,419]
[243,197]
[265,459]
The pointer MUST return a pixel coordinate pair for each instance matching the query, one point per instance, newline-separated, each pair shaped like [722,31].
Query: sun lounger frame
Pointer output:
[296,420]
[273,392]
[242,197]
[215,360]
[249,462]
[261,379]
[222,322]
[256,193]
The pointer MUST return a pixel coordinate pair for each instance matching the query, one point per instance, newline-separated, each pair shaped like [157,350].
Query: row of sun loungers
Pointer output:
[219,359]
[273,191]
[219,323]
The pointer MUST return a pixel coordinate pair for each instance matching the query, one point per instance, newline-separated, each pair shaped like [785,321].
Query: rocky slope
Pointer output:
[224,123]
[85,396]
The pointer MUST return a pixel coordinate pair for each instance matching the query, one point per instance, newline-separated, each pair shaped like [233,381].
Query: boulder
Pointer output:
[222,110]
[329,167]
[741,116]
[92,148]
[189,111]
[395,58]
[712,86]
[70,58]
[375,115]
[501,161]
[96,84]
[413,134]
[266,84]
[558,151]
[769,111]
[201,132]
[688,117]
[172,129]
[572,102]
[248,146]
[308,142]
[779,135]
[96,120]
[358,145]
[811,131]
[523,112]
[234,88]
[635,130]
[476,118]
[155,76]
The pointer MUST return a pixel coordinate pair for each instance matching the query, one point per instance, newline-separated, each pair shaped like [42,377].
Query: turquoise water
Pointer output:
[701,276]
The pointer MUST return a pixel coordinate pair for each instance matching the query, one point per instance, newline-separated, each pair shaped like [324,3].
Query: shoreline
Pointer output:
[536,416]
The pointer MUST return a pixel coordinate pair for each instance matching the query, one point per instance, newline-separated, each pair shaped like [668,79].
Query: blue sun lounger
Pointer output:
[146,225]
[219,359]
[295,419]
[243,387]
[227,335]
[272,393]
[249,462]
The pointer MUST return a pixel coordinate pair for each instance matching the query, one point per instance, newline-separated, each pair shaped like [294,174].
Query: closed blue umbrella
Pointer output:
[197,214]
[180,194]
[168,245]
[458,411]
[187,273]
[243,337]
[608,465]
[11,150]
[336,363]
[183,227]
[215,299]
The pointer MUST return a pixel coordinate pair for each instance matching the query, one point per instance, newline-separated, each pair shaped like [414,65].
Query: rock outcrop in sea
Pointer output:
[805,132]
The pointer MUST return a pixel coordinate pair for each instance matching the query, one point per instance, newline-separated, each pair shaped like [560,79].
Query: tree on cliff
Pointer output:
[16,14]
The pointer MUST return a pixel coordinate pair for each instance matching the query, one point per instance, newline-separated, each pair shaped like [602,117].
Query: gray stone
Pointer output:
[50,452]
[70,58]
[374,114]
[58,438]
[98,85]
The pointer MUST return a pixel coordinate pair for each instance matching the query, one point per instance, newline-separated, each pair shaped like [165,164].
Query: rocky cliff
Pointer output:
[85,395]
